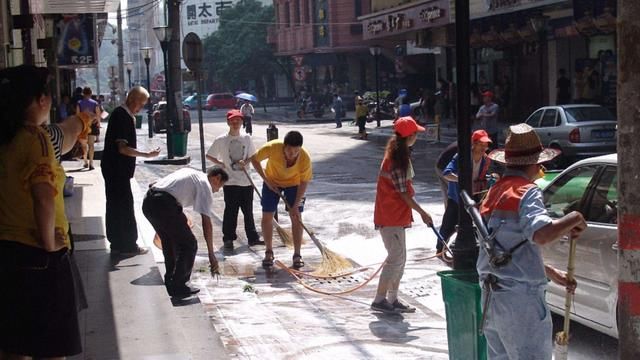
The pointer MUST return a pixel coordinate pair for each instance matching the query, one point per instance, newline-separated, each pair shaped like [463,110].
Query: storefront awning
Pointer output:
[73,6]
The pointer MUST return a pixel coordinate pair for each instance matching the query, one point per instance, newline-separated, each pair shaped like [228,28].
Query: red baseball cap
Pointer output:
[480,135]
[234,113]
[488,93]
[406,126]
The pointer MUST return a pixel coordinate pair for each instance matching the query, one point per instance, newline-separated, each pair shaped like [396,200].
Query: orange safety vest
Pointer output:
[390,209]
[505,195]
[480,183]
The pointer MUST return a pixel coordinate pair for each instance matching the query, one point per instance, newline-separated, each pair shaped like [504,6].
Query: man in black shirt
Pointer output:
[118,167]
[564,88]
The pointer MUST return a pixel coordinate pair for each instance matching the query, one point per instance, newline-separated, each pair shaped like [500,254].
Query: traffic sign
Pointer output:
[297,59]
[192,51]
[299,73]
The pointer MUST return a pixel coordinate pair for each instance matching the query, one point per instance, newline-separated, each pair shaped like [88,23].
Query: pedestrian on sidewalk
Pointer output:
[481,166]
[118,166]
[361,117]
[232,152]
[163,206]
[441,163]
[247,112]
[393,212]
[338,109]
[38,304]
[487,116]
[517,319]
[288,173]
[89,106]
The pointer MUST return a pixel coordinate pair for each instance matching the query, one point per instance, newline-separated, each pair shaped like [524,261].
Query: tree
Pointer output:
[238,52]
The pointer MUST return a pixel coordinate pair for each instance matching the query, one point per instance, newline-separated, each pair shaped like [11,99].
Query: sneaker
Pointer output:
[403,308]
[384,306]
[138,251]
[256,242]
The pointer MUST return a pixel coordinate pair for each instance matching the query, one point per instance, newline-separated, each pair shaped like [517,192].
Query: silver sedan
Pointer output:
[578,130]
[588,186]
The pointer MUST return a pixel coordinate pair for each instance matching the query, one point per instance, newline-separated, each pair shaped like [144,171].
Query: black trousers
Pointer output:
[449,222]
[247,124]
[179,245]
[120,219]
[238,198]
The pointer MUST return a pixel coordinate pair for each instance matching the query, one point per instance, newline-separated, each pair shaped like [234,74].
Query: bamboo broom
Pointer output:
[561,351]
[285,236]
[332,262]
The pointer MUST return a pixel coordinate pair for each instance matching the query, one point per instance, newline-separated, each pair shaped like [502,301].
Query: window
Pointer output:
[549,118]
[604,203]
[287,14]
[296,12]
[357,4]
[565,195]
[534,120]
[589,113]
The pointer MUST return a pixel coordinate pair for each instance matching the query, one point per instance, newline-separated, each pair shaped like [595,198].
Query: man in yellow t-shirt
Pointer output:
[288,172]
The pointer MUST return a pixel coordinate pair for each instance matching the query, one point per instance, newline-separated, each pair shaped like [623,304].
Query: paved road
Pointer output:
[281,319]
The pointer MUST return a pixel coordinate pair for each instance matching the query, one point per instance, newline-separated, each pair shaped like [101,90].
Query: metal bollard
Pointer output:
[272,132]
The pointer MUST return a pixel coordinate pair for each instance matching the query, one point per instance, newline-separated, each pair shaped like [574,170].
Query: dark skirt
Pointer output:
[38,312]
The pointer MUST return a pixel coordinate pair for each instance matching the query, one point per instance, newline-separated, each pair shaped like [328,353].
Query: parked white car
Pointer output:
[588,186]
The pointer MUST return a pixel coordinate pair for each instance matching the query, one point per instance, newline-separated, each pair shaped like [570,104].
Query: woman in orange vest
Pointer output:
[394,202]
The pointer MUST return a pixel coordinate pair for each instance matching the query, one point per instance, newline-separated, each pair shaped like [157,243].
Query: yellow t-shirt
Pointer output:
[26,161]
[361,110]
[277,170]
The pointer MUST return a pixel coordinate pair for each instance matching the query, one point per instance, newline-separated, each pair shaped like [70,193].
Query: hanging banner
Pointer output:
[76,41]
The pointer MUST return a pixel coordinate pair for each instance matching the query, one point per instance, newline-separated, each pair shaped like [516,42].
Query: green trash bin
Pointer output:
[138,121]
[180,143]
[461,295]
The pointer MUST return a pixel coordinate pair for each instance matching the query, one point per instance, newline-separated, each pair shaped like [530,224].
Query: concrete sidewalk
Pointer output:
[130,315]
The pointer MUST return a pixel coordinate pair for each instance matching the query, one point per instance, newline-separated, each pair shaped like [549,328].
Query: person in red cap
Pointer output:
[481,164]
[392,215]
[232,152]
[487,116]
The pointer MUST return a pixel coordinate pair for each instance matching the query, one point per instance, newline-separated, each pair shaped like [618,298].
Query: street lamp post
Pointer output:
[129,66]
[146,54]
[113,83]
[375,51]
[163,33]
[539,24]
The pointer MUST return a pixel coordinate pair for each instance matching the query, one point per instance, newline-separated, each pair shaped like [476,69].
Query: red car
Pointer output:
[160,121]
[220,101]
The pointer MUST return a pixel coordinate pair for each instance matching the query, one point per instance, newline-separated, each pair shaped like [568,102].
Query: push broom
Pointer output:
[332,262]
[284,235]
[561,351]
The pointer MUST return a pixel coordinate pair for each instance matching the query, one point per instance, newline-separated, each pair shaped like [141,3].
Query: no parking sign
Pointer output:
[299,73]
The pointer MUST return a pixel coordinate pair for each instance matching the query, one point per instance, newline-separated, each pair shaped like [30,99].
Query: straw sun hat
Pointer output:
[523,147]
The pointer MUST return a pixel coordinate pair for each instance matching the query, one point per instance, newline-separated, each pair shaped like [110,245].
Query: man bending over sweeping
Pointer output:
[288,173]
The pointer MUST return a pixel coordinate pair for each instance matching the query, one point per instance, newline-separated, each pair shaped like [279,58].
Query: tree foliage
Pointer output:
[238,52]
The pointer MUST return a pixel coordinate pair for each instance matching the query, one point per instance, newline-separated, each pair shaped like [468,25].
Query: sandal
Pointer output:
[297,261]
[267,262]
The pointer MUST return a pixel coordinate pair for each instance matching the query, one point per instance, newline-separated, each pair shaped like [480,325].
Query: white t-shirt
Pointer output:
[190,187]
[230,149]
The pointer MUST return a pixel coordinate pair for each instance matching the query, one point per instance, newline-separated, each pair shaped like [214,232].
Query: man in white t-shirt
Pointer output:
[247,113]
[163,205]
[231,151]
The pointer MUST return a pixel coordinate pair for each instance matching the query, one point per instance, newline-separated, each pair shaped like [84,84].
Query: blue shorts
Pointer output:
[270,199]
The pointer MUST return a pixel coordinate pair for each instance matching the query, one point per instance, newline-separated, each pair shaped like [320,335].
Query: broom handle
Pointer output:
[569,296]
[252,183]
[311,235]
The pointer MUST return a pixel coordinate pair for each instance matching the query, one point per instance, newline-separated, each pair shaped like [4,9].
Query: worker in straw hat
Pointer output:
[393,212]
[517,321]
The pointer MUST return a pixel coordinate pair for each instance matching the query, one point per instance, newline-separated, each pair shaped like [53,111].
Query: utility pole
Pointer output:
[174,94]
[465,251]
[628,175]
[120,55]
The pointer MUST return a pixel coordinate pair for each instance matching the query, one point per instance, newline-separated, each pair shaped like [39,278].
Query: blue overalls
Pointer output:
[517,320]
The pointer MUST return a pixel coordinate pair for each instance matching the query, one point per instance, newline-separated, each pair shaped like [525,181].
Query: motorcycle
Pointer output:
[309,106]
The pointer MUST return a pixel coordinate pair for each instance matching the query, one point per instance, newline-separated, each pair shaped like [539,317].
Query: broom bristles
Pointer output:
[285,236]
[332,263]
